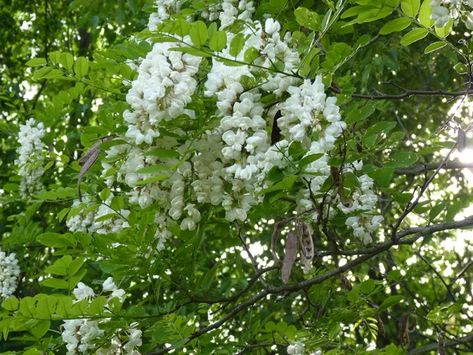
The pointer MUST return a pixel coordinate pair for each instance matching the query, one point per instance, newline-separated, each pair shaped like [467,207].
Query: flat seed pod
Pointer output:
[461,140]
[307,243]
[290,254]
[274,239]
[89,159]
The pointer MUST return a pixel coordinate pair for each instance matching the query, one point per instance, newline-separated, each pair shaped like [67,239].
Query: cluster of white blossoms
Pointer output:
[361,206]
[30,156]
[444,10]
[164,9]
[298,348]
[86,216]
[162,90]
[227,162]
[84,335]
[9,273]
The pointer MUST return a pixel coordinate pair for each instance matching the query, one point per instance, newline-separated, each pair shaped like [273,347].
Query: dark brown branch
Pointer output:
[422,168]
[407,93]
[447,344]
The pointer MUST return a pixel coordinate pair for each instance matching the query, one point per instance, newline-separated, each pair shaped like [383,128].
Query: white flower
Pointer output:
[164,9]
[118,293]
[271,26]
[9,273]
[109,285]
[296,348]
[83,291]
[134,340]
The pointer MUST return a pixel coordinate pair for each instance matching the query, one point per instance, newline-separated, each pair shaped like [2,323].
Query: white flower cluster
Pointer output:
[227,163]
[296,348]
[83,335]
[162,90]
[362,203]
[89,217]
[233,10]
[164,9]
[30,156]
[9,273]
[444,10]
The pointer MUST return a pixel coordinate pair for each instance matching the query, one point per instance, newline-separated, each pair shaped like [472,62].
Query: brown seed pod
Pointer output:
[278,226]
[404,334]
[89,159]
[461,140]
[290,254]
[306,241]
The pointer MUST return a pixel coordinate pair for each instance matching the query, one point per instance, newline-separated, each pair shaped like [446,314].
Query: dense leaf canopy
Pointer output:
[235,176]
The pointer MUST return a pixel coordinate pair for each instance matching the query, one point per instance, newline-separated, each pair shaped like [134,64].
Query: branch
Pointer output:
[447,344]
[401,238]
[406,94]
[431,267]
[422,168]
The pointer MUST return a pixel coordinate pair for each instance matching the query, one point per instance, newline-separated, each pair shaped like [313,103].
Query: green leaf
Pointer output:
[360,114]
[460,68]
[285,184]
[56,240]
[403,159]
[436,210]
[218,41]
[40,328]
[152,169]
[192,51]
[395,275]
[390,301]
[152,179]
[382,176]
[367,286]
[306,18]
[445,30]
[236,45]
[434,46]
[36,62]
[413,36]
[81,66]
[181,27]
[251,54]
[381,127]
[163,153]
[395,25]
[309,159]
[11,303]
[198,33]
[410,7]
[66,60]
[425,14]
[60,266]
[55,283]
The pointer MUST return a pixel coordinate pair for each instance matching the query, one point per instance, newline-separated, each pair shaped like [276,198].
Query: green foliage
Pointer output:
[404,290]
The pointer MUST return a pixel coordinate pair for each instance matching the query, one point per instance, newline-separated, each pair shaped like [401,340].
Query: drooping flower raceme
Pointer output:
[84,335]
[30,156]
[9,273]
[88,217]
